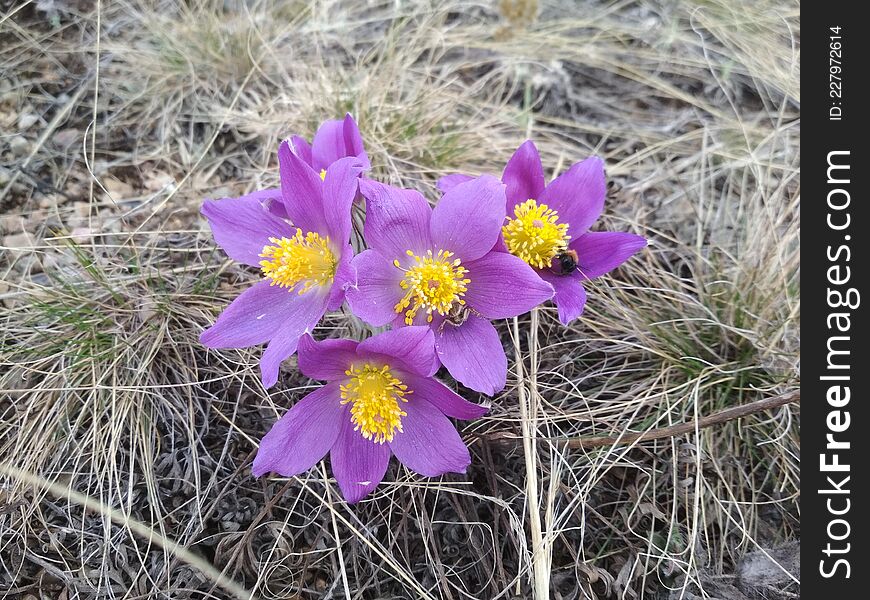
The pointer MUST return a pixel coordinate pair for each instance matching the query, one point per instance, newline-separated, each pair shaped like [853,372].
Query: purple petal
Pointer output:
[473,354]
[570,295]
[468,219]
[374,294]
[428,443]
[302,189]
[602,251]
[335,140]
[302,149]
[354,142]
[242,226]
[503,286]
[273,201]
[339,190]
[413,348]
[252,318]
[303,435]
[326,360]
[344,274]
[301,318]
[358,464]
[449,181]
[523,175]
[397,220]
[578,195]
[443,398]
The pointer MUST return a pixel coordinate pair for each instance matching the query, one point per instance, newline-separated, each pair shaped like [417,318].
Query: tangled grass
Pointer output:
[125,446]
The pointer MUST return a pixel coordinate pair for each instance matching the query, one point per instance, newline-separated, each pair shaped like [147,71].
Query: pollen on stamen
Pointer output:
[433,283]
[374,393]
[299,262]
[535,234]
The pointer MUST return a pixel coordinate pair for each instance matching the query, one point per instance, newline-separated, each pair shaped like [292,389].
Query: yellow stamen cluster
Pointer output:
[301,261]
[535,234]
[374,393]
[432,283]
[322,174]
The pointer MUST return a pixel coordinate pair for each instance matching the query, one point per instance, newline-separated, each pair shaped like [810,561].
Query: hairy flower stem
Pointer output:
[528,415]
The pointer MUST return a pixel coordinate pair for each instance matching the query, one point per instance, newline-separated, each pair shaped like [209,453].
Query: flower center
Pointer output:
[322,174]
[433,283]
[535,234]
[374,394]
[303,260]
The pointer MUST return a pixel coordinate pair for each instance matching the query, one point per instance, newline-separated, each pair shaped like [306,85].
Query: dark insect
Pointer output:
[564,263]
[613,189]
[456,316]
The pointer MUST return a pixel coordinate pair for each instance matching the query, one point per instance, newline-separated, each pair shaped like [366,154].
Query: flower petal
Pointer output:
[326,360]
[397,220]
[428,443]
[473,354]
[299,319]
[335,140]
[344,273]
[602,251]
[302,190]
[303,435]
[358,464]
[449,181]
[339,190]
[570,295]
[442,397]
[242,226]
[250,319]
[578,195]
[468,219]
[413,348]
[523,175]
[354,141]
[301,148]
[375,292]
[503,286]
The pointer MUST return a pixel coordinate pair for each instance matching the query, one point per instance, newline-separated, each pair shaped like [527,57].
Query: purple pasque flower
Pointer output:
[436,267]
[333,141]
[380,399]
[305,265]
[548,225]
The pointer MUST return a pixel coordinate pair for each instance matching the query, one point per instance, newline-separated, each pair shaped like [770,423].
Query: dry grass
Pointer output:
[117,118]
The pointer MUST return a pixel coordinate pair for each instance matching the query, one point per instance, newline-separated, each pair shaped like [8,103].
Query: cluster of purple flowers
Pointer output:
[489,249]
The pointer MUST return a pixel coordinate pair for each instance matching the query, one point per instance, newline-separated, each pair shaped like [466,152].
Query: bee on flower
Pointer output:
[547,225]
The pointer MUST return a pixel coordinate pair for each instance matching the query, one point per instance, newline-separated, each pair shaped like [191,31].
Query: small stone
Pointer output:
[157,180]
[50,201]
[66,138]
[117,188]
[27,120]
[21,254]
[7,296]
[19,242]
[81,234]
[19,145]
[12,223]
[81,209]
[146,311]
